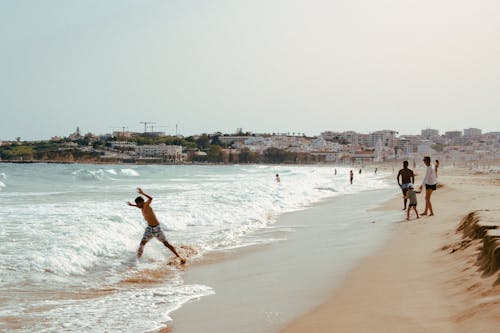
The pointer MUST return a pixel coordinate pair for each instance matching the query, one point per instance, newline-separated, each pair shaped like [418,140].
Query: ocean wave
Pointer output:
[129,172]
[123,172]
[103,174]
[89,229]
[84,174]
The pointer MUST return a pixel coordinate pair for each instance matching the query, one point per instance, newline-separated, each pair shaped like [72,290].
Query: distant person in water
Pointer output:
[351,176]
[335,172]
[430,186]
[359,171]
[278,178]
[376,169]
[153,228]
[407,177]
[412,196]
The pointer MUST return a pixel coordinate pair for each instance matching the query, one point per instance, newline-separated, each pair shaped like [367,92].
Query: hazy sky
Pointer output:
[270,65]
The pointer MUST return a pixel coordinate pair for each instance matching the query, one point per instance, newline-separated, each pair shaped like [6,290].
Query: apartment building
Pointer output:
[160,151]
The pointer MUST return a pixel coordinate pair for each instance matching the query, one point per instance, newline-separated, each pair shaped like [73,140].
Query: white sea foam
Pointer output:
[4,177]
[136,310]
[84,174]
[129,172]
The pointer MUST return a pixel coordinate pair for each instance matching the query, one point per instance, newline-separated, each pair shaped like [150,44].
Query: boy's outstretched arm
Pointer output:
[140,191]
[131,204]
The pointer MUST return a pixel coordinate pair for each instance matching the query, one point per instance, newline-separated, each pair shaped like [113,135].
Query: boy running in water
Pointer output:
[153,228]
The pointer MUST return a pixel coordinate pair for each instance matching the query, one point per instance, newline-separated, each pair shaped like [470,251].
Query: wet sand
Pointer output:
[261,288]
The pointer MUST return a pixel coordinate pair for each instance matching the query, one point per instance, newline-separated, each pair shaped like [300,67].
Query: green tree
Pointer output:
[275,155]
[247,156]
[215,154]
[18,152]
[438,147]
[203,142]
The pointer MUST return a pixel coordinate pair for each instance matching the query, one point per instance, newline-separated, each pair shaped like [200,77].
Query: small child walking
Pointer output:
[411,195]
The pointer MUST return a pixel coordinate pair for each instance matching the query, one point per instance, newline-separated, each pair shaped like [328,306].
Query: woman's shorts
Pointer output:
[430,187]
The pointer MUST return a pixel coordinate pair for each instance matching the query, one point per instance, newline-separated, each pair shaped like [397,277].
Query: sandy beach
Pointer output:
[423,278]
[261,288]
[426,278]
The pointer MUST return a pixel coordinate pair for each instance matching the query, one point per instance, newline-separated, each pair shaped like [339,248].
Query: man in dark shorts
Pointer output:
[153,228]
[407,178]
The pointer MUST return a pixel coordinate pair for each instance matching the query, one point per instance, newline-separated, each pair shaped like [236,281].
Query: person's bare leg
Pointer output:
[416,212]
[141,248]
[428,194]
[426,202]
[171,248]
[408,214]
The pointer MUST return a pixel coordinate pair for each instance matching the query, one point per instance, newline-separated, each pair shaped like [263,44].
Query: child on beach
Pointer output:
[153,228]
[411,195]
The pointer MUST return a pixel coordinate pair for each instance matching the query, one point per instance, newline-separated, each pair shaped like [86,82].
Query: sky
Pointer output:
[303,66]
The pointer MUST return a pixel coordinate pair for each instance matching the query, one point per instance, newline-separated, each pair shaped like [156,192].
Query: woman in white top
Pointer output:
[430,186]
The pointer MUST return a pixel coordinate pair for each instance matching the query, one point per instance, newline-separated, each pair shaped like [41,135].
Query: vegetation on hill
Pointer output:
[90,149]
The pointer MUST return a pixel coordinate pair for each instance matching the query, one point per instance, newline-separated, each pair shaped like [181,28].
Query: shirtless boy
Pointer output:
[153,228]
[407,177]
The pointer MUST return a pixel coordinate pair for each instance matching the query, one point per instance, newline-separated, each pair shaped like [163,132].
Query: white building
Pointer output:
[229,139]
[472,132]
[424,148]
[386,137]
[123,134]
[169,152]
[429,133]
[76,135]
[320,144]
[123,144]
[452,134]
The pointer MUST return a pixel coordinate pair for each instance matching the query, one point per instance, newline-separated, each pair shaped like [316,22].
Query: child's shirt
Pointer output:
[412,196]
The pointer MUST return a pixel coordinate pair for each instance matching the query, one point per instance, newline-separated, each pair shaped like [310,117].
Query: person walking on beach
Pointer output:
[351,176]
[407,177]
[412,196]
[436,166]
[153,228]
[430,186]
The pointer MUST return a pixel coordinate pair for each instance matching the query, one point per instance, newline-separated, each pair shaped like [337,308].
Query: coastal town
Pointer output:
[348,148]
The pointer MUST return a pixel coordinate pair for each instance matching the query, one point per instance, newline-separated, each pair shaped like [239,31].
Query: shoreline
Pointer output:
[415,282]
[260,289]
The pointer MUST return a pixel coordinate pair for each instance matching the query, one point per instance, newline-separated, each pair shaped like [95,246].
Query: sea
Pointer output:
[68,239]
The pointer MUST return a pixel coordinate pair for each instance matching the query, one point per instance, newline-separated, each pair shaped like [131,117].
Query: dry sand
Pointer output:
[426,278]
